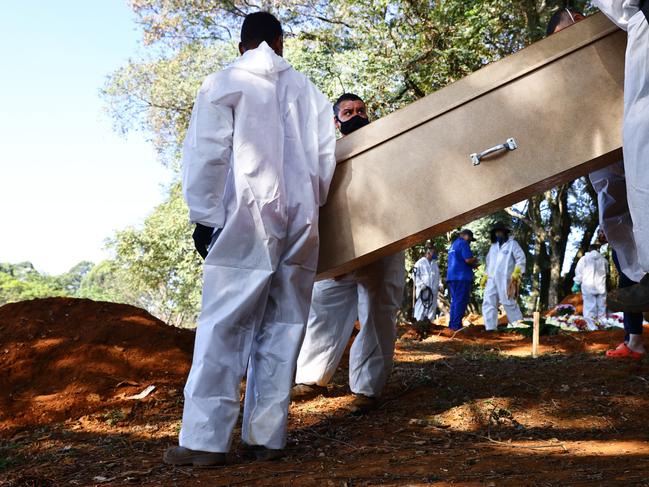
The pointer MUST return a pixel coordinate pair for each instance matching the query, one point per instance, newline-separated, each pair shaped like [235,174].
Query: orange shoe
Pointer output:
[622,351]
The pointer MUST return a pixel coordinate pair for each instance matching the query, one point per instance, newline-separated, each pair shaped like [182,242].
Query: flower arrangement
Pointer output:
[580,323]
[564,317]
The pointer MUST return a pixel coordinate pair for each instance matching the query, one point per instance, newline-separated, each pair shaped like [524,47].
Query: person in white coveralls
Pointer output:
[633,17]
[258,159]
[615,223]
[426,276]
[590,278]
[372,294]
[505,265]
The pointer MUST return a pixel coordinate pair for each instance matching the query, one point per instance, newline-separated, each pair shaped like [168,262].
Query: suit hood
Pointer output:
[262,61]
[593,255]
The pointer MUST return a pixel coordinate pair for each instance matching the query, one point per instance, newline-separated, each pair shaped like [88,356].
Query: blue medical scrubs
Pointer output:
[459,279]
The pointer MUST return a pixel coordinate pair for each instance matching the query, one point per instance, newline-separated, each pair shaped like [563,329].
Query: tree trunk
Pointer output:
[555,278]
[590,226]
[560,225]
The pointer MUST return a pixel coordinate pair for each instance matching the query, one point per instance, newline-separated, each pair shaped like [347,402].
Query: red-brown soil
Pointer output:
[63,358]
[469,409]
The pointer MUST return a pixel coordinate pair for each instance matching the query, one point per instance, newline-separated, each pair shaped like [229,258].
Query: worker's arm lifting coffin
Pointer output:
[553,112]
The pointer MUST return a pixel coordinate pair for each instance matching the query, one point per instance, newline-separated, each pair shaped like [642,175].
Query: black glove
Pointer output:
[202,238]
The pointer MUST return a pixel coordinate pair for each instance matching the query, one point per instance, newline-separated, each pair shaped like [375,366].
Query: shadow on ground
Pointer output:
[457,411]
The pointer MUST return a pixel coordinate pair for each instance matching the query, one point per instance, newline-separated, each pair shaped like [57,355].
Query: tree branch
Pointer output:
[512,212]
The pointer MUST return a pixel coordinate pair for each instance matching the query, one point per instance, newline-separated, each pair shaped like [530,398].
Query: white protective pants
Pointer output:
[628,16]
[594,308]
[255,322]
[373,294]
[636,132]
[490,306]
[614,217]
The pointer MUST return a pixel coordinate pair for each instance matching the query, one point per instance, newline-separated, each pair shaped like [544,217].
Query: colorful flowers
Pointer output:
[564,317]
[580,323]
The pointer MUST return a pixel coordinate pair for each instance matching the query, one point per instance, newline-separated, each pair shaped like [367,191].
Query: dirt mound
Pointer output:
[62,358]
[469,408]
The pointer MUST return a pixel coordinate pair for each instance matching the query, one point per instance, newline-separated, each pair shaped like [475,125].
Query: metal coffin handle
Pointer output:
[509,145]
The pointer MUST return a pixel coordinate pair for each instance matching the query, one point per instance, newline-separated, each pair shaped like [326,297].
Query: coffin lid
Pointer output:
[479,83]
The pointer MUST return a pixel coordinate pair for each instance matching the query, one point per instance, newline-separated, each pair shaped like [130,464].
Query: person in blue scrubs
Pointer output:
[459,277]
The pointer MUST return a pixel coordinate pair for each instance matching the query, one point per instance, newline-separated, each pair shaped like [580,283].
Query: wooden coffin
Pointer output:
[410,176]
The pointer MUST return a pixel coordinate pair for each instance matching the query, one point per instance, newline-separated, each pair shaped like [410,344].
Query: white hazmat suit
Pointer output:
[501,262]
[628,16]
[258,160]
[590,272]
[373,294]
[426,276]
[614,217]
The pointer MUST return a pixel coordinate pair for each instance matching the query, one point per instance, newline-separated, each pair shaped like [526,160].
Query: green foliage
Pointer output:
[475,352]
[545,329]
[154,267]
[158,265]
[113,416]
[71,281]
[106,281]
[157,96]
[389,52]
[19,282]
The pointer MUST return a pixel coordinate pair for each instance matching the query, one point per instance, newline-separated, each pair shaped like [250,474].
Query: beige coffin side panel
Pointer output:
[408,176]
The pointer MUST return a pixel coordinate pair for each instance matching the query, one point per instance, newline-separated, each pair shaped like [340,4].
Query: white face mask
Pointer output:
[571,16]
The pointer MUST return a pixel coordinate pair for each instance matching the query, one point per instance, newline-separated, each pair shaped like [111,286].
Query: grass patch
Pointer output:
[545,329]
[482,352]
[113,417]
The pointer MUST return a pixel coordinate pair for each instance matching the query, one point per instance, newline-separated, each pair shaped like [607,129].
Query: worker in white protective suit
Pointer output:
[426,277]
[633,16]
[616,229]
[372,294]
[257,162]
[615,218]
[590,277]
[505,265]
[616,226]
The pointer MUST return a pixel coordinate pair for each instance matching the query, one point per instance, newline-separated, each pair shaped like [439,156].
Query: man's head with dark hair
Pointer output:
[563,18]
[261,27]
[592,247]
[601,237]
[345,97]
[467,235]
[499,230]
[431,252]
[350,113]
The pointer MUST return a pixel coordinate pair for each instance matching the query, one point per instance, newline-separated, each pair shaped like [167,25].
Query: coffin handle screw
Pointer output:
[509,145]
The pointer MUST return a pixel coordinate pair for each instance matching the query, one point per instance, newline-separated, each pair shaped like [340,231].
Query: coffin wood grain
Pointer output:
[408,176]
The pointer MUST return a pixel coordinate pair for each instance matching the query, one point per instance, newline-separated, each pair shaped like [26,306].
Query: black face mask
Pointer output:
[353,124]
